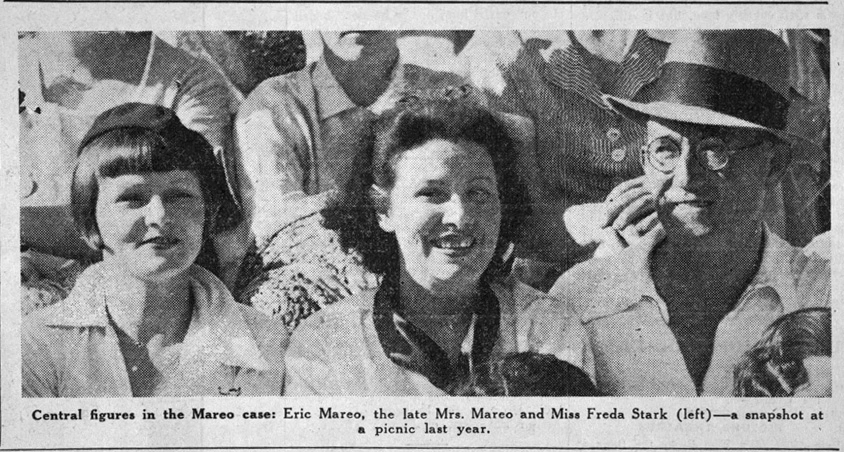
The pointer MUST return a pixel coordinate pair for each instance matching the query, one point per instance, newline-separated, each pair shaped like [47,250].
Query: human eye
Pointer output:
[182,195]
[432,194]
[132,199]
[665,148]
[480,195]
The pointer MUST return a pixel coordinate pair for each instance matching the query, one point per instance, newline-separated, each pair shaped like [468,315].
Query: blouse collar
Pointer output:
[217,329]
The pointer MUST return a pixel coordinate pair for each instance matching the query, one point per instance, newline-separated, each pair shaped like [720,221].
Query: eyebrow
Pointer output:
[483,178]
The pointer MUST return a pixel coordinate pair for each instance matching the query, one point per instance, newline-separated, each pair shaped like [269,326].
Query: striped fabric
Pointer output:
[583,148]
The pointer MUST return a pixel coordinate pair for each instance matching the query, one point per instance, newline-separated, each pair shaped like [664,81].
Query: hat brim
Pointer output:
[641,113]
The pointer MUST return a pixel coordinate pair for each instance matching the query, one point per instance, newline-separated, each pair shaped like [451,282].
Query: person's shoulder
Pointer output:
[528,300]
[334,330]
[592,276]
[809,267]
[521,293]
[600,286]
[348,312]
[283,87]
[261,324]
[40,326]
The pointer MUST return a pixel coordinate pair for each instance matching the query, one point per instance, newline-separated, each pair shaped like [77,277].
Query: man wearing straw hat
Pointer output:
[673,314]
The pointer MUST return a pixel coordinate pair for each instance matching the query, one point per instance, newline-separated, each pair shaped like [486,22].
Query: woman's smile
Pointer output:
[454,243]
[160,242]
[445,212]
[151,224]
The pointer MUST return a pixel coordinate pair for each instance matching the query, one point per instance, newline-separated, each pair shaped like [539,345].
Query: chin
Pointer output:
[690,223]
[448,279]
[157,271]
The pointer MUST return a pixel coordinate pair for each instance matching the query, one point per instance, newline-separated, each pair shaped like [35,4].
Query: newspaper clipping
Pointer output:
[545,226]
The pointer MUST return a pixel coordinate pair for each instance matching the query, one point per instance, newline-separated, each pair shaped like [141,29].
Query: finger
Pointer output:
[633,212]
[611,243]
[617,205]
[647,223]
[630,234]
[625,186]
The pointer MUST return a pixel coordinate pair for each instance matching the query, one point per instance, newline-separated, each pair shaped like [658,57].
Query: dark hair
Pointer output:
[415,121]
[131,150]
[527,374]
[774,366]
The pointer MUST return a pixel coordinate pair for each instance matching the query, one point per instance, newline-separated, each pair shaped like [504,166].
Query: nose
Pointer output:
[688,172]
[454,212]
[156,212]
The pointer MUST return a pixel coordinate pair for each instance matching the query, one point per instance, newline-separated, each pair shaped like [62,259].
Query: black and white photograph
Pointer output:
[624,213]
[266,221]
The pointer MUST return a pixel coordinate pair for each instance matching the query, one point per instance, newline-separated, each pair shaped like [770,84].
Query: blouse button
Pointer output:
[613,134]
[618,154]
[134,368]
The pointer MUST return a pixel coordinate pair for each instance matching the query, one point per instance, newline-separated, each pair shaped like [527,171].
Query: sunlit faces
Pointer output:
[819,381]
[697,201]
[445,211]
[151,224]
[352,45]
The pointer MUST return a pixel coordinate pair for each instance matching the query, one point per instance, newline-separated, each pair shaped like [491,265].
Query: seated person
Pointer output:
[793,358]
[297,132]
[583,148]
[67,79]
[527,374]
[432,208]
[672,314]
[146,321]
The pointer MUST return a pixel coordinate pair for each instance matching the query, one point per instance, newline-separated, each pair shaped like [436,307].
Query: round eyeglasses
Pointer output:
[664,153]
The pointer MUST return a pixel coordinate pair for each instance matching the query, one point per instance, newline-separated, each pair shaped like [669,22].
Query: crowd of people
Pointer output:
[498,213]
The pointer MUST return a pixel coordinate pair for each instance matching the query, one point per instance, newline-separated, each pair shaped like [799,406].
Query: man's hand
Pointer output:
[626,214]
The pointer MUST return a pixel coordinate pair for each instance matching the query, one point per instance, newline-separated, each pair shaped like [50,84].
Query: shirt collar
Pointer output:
[433,362]
[631,269]
[568,68]
[332,100]
[217,329]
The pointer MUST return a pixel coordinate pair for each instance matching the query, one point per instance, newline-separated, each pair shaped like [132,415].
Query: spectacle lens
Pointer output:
[664,154]
[713,154]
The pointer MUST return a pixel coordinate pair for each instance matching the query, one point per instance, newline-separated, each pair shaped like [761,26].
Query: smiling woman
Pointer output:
[432,207]
[147,321]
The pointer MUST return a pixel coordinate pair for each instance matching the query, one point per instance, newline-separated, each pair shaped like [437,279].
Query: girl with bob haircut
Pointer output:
[146,321]
[431,207]
[793,358]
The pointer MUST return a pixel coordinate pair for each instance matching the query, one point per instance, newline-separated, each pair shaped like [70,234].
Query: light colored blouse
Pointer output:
[72,350]
[337,351]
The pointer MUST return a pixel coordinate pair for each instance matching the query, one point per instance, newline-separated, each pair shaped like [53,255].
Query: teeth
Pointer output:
[454,242]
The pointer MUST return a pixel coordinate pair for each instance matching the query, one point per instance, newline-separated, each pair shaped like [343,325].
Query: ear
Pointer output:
[381,201]
[779,158]
[92,237]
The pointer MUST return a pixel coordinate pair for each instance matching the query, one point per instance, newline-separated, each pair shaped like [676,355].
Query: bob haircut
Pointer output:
[774,366]
[132,150]
[414,121]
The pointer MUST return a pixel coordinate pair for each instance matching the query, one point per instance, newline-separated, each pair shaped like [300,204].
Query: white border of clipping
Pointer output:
[19,430]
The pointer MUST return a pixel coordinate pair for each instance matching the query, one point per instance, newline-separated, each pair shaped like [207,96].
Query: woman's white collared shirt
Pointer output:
[71,349]
[337,351]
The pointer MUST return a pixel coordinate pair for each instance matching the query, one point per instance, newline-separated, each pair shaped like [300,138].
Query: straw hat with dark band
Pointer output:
[730,78]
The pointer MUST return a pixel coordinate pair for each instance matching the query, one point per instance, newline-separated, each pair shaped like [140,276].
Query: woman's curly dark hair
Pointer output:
[413,122]
[774,366]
